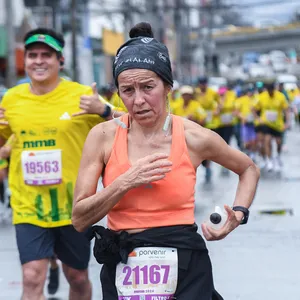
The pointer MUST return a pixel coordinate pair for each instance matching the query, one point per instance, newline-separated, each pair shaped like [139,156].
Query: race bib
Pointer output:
[42,167]
[150,274]
[209,115]
[271,115]
[226,118]
[250,118]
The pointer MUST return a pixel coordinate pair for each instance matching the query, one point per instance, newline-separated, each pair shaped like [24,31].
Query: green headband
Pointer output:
[46,39]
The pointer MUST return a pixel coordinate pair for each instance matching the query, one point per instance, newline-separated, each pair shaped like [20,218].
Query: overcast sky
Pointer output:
[281,11]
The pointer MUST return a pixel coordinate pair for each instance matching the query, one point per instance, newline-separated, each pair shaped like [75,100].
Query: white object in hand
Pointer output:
[218,218]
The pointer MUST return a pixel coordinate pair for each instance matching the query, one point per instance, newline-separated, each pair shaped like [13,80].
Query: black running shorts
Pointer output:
[71,247]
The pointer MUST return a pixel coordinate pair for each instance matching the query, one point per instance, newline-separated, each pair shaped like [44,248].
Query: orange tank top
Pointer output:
[166,202]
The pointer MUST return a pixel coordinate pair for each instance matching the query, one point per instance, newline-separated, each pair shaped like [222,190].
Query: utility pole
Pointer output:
[74,44]
[41,6]
[189,49]
[160,6]
[127,18]
[11,54]
[207,20]
[154,14]
[178,30]
[210,40]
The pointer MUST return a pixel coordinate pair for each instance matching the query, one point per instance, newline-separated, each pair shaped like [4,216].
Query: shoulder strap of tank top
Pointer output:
[179,146]
[120,141]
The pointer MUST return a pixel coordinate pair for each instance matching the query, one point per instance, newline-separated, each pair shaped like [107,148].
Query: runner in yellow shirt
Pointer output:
[273,107]
[259,129]
[189,108]
[208,99]
[292,93]
[227,113]
[245,106]
[5,153]
[227,116]
[50,118]
[174,95]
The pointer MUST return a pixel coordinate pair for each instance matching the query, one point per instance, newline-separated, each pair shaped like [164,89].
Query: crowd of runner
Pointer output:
[252,114]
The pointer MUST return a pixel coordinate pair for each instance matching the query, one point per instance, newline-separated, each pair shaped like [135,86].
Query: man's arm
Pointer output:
[5,130]
[96,104]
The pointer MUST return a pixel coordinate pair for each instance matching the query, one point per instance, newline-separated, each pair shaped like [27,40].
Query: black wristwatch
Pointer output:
[245,211]
[107,112]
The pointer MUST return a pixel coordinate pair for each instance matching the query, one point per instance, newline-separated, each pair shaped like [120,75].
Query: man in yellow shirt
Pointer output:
[208,99]
[274,111]
[227,113]
[50,118]
[245,106]
[187,107]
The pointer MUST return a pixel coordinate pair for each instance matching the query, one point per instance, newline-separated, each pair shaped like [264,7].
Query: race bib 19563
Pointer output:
[42,167]
[150,274]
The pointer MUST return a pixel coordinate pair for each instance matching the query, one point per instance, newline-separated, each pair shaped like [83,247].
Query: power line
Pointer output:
[74,42]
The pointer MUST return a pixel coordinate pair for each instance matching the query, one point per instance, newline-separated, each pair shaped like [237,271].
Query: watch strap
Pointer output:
[107,112]
[245,211]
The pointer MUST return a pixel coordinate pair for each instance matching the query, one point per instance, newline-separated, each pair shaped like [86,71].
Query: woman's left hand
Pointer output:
[233,221]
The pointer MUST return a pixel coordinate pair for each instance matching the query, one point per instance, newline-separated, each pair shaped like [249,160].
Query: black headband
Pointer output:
[143,53]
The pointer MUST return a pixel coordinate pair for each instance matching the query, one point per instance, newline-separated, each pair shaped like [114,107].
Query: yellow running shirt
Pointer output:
[173,96]
[245,106]
[272,109]
[117,102]
[227,113]
[209,102]
[193,110]
[46,154]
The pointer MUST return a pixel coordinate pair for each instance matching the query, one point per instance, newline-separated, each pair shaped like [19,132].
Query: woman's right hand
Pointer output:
[151,168]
